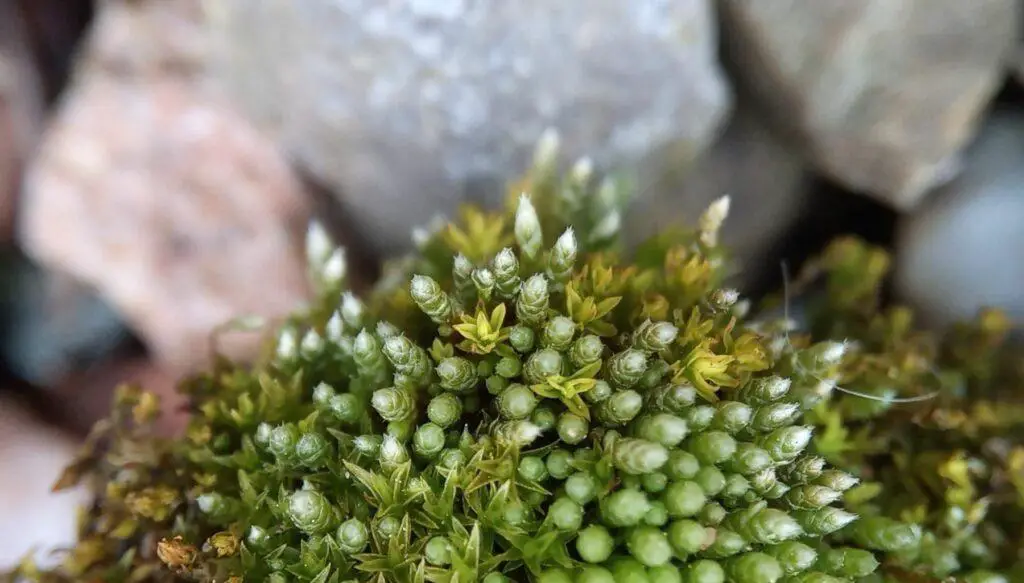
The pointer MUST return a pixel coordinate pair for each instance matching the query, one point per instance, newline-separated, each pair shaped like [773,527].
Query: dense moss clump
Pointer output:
[514,402]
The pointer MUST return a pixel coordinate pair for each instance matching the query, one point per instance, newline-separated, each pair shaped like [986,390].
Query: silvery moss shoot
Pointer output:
[518,401]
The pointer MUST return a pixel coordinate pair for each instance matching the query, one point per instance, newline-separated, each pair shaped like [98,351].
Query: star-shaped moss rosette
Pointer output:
[515,402]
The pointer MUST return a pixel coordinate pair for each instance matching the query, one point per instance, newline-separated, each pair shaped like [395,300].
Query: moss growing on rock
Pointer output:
[517,402]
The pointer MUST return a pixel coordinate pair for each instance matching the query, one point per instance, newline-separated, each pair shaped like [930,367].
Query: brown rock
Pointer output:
[882,93]
[85,397]
[21,111]
[159,195]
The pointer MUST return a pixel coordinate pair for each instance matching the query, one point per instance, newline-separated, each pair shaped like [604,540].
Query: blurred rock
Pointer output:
[32,519]
[84,397]
[405,109]
[21,111]
[882,93]
[766,181]
[51,325]
[159,195]
[965,249]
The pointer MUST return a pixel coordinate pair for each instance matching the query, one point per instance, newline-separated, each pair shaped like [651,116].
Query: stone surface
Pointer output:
[51,325]
[965,249]
[84,397]
[32,457]
[405,109]
[21,111]
[151,190]
[767,182]
[882,93]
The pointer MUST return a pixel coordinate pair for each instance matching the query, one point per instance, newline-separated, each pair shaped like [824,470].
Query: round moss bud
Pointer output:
[649,546]
[753,568]
[367,445]
[558,333]
[600,391]
[392,404]
[847,562]
[628,570]
[347,408]
[353,536]
[451,459]
[664,428]
[626,507]
[532,468]
[595,574]
[312,450]
[794,557]
[749,459]
[554,576]
[542,364]
[657,515]
[774,416]
[283,440]
[699,418]
[688,537]
[559,464]
[655,336]
[594,544]
[654,482]
[261,437]
[310,511]
[438,551]
[712,514]
[884,534]
[387,527]
[664,574]
[711,480]
[495,577]
[516,402]
[620,408]
[726,544]
[257,537]
[823,521]
[572,428]
[521,338]
[508,367]
[581,487]
[544,418]
[625,368]
[322,394]
[732,416]
[712,447]
[444,410]
[704,571]
[456,374]
[683,499]
[682,465]
[638,456]
[428,441]
[566,514]
[787,443]
[586,350]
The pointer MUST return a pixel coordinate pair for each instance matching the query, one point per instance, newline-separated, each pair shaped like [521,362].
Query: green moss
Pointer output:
[516,402]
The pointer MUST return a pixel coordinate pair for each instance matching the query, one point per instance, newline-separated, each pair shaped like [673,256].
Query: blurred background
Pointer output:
[160,159]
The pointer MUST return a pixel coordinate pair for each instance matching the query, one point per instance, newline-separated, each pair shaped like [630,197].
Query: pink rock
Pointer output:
[159,195]
[32,519]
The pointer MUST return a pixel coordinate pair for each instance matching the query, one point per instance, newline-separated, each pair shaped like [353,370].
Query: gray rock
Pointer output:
[405,109]
[51,326]
[882,93]
[767,182]
[964,250]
